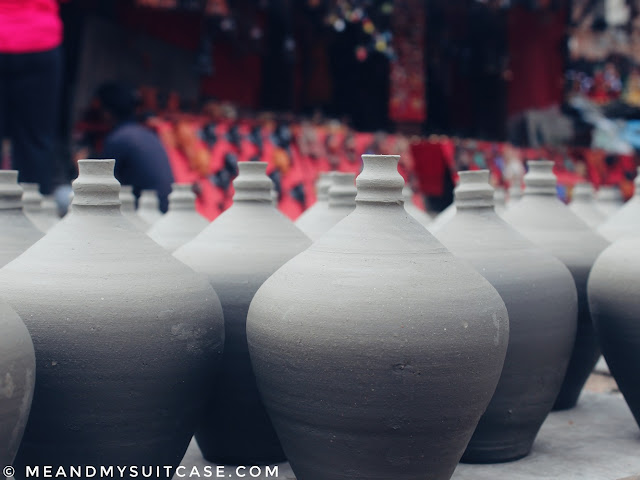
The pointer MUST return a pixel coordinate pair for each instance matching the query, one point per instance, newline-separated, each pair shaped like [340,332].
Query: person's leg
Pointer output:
[34,89]
[3,109]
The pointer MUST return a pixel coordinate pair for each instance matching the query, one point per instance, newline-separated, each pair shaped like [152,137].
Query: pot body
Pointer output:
[17,233]
[17,376]
[615,305]
[548,223]
[375,350]
[238,252]
[540,296]
[127,339]
[623,222]
[177,227]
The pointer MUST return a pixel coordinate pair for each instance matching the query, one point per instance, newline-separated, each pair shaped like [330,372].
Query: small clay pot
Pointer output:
[542,302]
[238,252]
[182,222]
[609,199]
[549,223]
[149,207]
[583,204]
[17,231]
[308,218]
[128,208]
[376,350]
[626,220]
[32,204]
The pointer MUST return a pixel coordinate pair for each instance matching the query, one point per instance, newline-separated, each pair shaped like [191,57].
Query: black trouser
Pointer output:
[29,97]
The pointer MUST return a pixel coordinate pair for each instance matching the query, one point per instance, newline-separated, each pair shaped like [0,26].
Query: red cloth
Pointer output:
[430,161]
[29,26]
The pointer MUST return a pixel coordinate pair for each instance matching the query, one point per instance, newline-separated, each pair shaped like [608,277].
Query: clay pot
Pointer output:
[182,222]
[615,305]
[583,204]
[17,376]
[17,232]
[515,194]
[442,218]
[376,350]
[342,201]
[542,303]
[32,204]
[149,207]
[50,207]
[128,208]
[500,200]
[307,220]
[626,220]
[609,199]
[238,252]
[420,215]
[127,338]
[546,221]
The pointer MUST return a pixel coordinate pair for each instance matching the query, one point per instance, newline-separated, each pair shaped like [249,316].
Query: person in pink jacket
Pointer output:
[30,80]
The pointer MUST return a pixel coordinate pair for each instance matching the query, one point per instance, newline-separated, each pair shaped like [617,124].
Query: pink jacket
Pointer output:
[28,26]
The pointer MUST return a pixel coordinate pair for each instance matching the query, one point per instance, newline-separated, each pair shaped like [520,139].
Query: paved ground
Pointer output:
[598,440]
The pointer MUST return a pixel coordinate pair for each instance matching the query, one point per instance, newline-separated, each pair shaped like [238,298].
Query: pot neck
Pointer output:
[380,183]
[10,191]
[127,199]
[182,198]
[474,191]
[96,188]
[583,192]
[323,185]
[252,185]
[342,192]
[31,197]
[540,179]
[149,200]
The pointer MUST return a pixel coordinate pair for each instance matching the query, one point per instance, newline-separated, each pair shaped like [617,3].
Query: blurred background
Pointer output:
[310,85]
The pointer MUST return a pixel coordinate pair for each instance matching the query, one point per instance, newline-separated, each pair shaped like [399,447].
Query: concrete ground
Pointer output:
[598,440]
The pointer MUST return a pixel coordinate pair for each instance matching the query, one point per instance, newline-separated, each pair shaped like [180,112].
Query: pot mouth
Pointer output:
[252,183]
[182,197]
[96,185]
[474,190]
[540,179]
[380,181]
[342,192]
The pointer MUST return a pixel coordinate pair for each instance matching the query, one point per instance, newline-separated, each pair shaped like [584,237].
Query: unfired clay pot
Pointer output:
[127,338]
[546,221]
[609,199]
[342,201]
[376,350]
[420,215]
[32,204]
[17,231]
[182,222]
[149,207]
[626,220]
[615,305]
[542,302]
[238,252]
[307,220]
[583,204]
[17,376]
[128,208]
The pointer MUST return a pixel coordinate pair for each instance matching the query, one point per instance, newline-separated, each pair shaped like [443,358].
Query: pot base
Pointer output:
[489,453]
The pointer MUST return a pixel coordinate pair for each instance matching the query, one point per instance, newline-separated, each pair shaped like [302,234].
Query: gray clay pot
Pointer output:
[583,204]
[127,338]
[626,220]
[307,220]
[542,302]
[609,199]
[342,201]
[17,376]
[546,221]
[515,194]
[17,231]
[420,215]
[238,252]
[149,207]
[376,350]
[615,305]
[500,200]
[50,207]
[182,222]
[128,208]
[32,203]
[442,219]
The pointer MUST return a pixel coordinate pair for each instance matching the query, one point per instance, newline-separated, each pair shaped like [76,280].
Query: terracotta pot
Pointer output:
[626,220]
[307,220]
[149,207]
[546,221]
[542,303]
[32,204]
[615,305]
[583,204]
[128,208]
[420,215]
[238,252]
[127,338]
[376,350]
[182,222]
[609,199]
[342,201]
[17,232]
[17,376]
